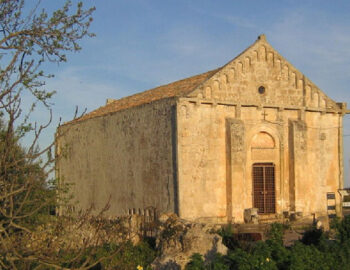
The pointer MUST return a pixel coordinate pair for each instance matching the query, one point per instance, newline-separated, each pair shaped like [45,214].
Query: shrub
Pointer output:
[258,258]
[308,257]
[314,251]
[226,232]
[275,233]
[342,228]
[218,263]
[312,237]
[196,262]
[125,256]
[130,256]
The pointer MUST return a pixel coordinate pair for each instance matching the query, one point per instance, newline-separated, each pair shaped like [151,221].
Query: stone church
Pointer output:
[254,133]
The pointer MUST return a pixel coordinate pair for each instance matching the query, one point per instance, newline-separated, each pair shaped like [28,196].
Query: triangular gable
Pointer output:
[261,65]
[237,81]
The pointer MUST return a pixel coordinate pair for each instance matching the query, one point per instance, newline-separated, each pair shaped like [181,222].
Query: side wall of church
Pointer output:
[216,153]
[124,159]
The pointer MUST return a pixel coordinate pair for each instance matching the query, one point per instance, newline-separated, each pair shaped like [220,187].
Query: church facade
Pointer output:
[255,133]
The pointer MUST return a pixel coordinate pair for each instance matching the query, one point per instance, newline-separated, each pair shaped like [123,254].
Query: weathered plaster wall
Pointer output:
[126,156]
[215,159]
[219,119]
[202,160]
[318,163]
[210,135]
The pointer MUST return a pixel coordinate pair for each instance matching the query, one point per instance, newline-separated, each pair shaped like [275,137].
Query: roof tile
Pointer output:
[178,88]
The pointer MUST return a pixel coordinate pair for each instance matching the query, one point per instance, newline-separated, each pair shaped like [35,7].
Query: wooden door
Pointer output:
[264,188]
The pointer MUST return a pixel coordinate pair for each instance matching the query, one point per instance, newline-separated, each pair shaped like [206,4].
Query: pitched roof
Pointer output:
[174,89]
[182,87]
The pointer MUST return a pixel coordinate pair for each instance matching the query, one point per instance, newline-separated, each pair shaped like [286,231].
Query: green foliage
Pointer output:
[276,232]
[308,257]
[340,254]
[196,263]
[314,251]
[227,234]
[131,256]
[258,258]
[126,256]
[218,263]
[313,236]
[342,228]
[29,38]
[34,197]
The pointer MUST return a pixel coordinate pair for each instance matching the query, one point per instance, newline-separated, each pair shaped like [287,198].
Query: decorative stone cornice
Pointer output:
[259,105]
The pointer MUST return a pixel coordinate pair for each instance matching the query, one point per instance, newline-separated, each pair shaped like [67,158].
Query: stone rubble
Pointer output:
[177,240]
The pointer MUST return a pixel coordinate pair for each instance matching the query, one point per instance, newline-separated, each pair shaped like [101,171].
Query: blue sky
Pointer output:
[141,44]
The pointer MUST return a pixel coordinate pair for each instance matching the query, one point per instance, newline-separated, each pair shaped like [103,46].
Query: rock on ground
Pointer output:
[178,240]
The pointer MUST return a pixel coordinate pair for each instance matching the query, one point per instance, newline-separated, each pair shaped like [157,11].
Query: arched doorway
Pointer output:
[263,173]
